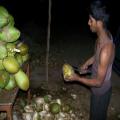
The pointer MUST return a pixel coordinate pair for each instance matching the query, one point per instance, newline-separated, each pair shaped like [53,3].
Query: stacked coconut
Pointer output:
[13,54]
[47,108]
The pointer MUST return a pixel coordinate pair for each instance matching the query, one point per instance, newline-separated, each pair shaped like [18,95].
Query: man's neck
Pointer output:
[102,35]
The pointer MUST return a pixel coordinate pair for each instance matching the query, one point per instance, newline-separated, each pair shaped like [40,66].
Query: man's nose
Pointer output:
[88,22]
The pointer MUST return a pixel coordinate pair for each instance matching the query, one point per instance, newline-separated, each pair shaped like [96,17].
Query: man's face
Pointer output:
[92,23]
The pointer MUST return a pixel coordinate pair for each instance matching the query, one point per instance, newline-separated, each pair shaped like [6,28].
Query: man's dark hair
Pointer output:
[98,12]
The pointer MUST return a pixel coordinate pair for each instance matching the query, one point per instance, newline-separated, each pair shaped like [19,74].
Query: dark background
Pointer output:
[65,13]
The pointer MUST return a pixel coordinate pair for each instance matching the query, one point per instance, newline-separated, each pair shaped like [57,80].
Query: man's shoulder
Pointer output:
[108,49]
[109,45]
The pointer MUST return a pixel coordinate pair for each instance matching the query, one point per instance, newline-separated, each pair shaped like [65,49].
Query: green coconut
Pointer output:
[47,98]
[4,78]
[25,57]
[4,11]
[3,51]
[66,108]
[23,47]
[22,80]
[3,16]
[11,84]
[11,65]
[55,108]
[9,34]
[11,20]
[19,58]
[11,49]
[1,65]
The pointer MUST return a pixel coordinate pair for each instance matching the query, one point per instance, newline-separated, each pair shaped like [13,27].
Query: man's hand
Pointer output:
[84,67]
[89,62]
[73,77]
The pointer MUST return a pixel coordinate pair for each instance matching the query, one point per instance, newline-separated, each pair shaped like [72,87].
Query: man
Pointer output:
[101,62]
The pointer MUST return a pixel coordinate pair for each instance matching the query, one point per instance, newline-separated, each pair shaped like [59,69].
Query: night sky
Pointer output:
[64,12]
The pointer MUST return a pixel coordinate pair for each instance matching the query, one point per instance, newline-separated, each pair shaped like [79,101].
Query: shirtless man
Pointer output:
[101,61]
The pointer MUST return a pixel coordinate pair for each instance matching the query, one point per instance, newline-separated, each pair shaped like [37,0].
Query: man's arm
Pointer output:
[106,58]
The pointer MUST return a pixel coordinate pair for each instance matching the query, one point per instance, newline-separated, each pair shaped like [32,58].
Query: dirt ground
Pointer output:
[65,47]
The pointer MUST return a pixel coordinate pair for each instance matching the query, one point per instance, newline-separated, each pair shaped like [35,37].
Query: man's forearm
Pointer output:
[89,82]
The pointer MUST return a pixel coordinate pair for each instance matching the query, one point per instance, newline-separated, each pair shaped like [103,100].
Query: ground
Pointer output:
[67,46]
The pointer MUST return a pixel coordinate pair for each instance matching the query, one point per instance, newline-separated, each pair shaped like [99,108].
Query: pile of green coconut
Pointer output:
[13,54]
[47,108]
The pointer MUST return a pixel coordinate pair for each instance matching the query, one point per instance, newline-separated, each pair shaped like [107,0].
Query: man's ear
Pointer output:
[99,23]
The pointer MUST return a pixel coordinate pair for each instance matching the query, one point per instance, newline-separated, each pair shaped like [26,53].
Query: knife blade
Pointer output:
[81,72]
